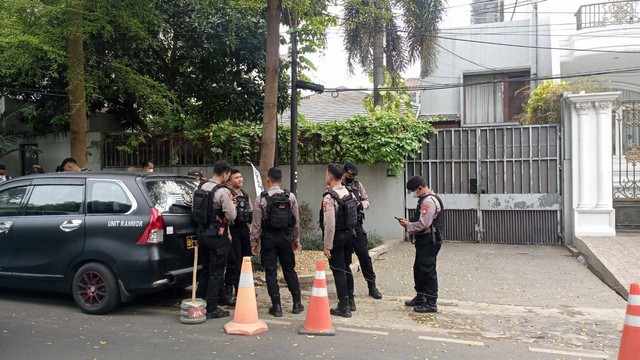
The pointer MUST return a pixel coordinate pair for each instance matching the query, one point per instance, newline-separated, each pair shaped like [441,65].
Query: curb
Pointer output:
[599,268]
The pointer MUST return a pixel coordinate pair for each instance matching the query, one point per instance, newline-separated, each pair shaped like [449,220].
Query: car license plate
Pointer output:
[192,241]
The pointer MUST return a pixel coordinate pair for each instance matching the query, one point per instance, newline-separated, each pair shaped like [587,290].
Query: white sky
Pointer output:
[332,66]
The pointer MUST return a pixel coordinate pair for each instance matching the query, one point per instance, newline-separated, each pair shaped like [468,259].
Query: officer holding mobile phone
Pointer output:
[428,242]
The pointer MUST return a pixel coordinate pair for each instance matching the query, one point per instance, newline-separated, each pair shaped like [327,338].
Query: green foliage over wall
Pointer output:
[382,137]
[544,103]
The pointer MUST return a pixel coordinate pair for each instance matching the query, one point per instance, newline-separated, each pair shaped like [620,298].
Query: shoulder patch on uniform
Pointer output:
[425,208]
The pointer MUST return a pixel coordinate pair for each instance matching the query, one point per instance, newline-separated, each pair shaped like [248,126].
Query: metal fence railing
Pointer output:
[607,13]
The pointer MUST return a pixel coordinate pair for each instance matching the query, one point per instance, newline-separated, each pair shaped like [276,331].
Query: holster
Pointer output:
[213,229]
[436,237]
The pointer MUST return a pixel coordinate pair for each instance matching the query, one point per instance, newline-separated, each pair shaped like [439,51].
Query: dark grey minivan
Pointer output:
[104,237]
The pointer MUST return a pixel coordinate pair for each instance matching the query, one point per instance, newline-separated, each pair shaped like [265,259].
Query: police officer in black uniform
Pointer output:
[360,242]
[240,245]
[275,230]
[424,224]
[215,242]
[338,241]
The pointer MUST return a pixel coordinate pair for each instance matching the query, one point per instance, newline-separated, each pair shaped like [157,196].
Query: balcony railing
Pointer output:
[608,13]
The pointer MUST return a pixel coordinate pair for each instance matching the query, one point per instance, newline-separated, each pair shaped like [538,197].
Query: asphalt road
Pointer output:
[497,302]
[46,326]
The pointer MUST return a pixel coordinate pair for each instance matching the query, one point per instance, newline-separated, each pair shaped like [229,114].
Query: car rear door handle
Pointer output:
[5,226]
[70,225]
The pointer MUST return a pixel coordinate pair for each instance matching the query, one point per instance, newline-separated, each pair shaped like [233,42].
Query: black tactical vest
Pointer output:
[437,222]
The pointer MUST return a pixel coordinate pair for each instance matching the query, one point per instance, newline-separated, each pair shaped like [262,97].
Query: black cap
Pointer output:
[194,172]
[2,167]
[351,168]
[415,182]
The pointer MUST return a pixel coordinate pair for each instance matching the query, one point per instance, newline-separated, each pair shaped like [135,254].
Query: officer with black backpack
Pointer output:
[427,225]
[338,220]
[240,245]
[275,230]
[213,209]
[361,242]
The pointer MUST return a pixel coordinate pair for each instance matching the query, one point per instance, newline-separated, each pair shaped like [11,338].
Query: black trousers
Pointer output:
[361,248]
[240,247]
[214,251]
[425,275]
[276,247]
[340,261]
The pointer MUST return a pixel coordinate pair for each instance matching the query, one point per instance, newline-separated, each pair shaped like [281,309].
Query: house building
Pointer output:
[485,70]
[480,81]
[605,37]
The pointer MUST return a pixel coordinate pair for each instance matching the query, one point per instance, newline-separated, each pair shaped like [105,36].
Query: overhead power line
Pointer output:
[532,46]
[629,70]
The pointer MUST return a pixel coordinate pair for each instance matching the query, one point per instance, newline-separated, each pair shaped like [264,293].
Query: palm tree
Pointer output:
[391,34]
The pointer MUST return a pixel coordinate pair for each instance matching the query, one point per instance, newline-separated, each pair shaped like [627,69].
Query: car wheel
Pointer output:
[95,289]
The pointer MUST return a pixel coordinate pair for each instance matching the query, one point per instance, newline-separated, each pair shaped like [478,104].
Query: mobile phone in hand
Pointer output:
[397,218]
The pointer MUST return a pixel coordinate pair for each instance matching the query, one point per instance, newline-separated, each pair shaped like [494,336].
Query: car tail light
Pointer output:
[154,232]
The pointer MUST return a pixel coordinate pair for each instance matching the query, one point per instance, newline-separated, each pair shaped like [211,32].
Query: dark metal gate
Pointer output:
[498,184]
[626,169]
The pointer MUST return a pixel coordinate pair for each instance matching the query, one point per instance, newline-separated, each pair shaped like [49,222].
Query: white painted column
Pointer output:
[591,146]
[605,155]
[587,176]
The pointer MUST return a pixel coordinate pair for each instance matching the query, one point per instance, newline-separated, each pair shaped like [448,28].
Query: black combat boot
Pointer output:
[429,307]
[214,312]
[276,307]
[374,292]
[419,300]
[224,299]
[231,296]
[343,308]
[297,303]
[352,302]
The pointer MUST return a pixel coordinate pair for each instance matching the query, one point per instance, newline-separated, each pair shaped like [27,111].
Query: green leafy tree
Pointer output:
[377,37]
[157,65]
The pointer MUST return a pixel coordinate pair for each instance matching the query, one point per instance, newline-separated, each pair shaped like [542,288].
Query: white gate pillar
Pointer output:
[605,155]
[588,152]
[592,165]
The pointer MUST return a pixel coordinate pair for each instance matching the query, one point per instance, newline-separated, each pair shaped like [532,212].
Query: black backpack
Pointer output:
[278,214]
[347,214]
[354,188]
[245,215]
[203,204]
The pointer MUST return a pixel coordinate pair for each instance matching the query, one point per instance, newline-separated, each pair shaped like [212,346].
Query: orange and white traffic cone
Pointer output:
[318,320]
[630,342]
[245,317]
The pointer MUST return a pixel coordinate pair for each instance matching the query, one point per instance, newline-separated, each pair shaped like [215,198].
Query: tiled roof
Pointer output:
[328,107]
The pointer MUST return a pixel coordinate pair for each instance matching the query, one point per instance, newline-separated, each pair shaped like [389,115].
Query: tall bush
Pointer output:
[544,103]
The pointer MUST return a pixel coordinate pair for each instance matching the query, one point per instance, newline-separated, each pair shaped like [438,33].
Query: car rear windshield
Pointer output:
[171,196]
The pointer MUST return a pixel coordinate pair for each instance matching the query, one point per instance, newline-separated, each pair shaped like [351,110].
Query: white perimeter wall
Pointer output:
[386,193]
